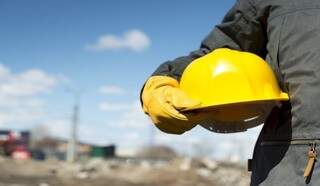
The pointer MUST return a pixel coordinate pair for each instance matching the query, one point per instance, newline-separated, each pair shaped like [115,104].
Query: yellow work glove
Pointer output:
[163,100]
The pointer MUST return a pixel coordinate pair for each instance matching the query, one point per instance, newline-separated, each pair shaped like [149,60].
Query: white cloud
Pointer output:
[133,125]
[198,141]
[108,106]
[19,101]
[131,114]
[27,83]
[112,89]
[4,71]
[134,40]
[134,117]
[58,127]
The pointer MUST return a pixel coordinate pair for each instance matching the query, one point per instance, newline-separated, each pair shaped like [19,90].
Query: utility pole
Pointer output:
[72,143]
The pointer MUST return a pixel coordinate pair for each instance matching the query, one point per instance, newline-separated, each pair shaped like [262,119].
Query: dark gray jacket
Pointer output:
[287,34]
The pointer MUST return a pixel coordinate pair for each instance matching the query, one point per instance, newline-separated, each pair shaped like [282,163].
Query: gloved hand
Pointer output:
[163,100]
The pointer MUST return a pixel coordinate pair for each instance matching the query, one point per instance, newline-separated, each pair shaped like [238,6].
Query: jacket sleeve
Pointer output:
[241,29]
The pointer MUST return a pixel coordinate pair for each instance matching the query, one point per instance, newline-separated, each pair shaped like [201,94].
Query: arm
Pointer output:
[241,29]
[161,98]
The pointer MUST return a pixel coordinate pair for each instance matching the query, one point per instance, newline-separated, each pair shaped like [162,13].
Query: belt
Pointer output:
[291,142]
[311,154]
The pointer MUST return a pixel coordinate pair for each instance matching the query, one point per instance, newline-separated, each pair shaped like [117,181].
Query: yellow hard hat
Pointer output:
[232,84]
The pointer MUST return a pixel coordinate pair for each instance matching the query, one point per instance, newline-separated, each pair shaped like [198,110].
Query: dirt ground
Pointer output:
[97,172]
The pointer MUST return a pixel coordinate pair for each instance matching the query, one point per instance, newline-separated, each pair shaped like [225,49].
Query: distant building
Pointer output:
[57,148]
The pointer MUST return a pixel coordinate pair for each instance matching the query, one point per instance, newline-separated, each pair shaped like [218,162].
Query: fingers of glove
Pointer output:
[163,98]
[163,114]
[154,83]
[159,81]
[180,100]
[171,101]
[176,99]
[196,116]
[167,127]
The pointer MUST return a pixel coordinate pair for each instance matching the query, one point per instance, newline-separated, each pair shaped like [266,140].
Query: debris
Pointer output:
[180,171]
[44,184]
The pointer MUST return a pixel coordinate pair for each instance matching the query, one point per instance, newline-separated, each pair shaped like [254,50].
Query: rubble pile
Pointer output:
[123,172]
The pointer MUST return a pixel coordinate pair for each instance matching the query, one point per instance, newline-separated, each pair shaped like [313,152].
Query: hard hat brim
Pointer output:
[282,97]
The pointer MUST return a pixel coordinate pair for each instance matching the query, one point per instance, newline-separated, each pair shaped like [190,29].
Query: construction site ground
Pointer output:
[123,172]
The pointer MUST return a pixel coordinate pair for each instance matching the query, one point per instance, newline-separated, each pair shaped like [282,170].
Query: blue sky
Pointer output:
[50,46]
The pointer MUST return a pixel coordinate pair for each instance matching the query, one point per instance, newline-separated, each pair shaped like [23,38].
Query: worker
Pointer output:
[286,34]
